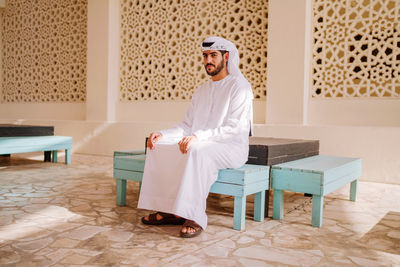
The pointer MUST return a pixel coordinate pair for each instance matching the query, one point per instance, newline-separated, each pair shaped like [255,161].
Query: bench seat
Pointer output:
[317,175]
[23,144]
[241,182]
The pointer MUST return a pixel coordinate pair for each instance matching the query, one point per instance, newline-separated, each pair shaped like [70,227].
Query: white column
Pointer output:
[102,60]
[113,58]
[289,48]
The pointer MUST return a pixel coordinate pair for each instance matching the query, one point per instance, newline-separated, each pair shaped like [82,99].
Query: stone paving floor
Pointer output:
[52,214]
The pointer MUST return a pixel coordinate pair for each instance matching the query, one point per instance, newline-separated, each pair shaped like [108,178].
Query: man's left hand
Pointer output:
[186,142]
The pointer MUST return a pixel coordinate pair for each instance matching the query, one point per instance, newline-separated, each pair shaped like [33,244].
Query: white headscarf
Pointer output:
[218,43]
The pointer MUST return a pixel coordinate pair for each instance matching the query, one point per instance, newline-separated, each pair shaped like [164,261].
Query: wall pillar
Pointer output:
[102,60]
[289,48]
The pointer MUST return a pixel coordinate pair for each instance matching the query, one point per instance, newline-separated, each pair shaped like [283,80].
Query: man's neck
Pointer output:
[222,74]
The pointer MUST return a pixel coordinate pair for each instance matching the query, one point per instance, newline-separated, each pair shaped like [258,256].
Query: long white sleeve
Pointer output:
[236,123]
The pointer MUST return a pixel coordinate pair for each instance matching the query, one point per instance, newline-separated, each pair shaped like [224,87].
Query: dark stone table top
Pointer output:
[9,130]
[270,151]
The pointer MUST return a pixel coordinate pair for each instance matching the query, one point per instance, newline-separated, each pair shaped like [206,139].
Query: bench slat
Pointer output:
[238,190]
[128,175]
[340,182]
[345,169]
[130,163]
[10,145]
[300,182]
[319,164]
[129,153]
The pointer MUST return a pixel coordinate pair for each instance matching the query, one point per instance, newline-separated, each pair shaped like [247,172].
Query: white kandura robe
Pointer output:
[220,116]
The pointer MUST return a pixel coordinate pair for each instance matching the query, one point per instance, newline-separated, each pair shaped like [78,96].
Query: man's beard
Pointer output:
[217,69]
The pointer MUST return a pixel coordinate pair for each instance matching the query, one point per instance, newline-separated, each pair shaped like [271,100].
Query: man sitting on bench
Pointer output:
[183,161]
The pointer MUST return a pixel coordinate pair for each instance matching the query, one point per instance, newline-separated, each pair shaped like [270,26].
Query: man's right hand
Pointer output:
[153,138]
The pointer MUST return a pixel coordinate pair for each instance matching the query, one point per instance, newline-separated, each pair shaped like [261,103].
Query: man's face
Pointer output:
[214,62]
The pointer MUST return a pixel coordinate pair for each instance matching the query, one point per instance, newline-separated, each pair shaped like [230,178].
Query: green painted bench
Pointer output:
[23,144]
[240,182]
[317,175]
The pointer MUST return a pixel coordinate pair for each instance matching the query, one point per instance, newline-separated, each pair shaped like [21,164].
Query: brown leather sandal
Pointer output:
[191,224]
[167,218]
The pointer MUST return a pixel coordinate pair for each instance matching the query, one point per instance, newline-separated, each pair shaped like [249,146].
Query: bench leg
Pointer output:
[239,213]
[317,210]
[54,152]
[266,207]
[47,156]
[353,190]
[121,192]
[259,202]
[67,156]
[277,212]
[266,203]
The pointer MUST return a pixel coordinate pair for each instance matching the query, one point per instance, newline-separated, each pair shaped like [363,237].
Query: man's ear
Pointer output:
[226,55]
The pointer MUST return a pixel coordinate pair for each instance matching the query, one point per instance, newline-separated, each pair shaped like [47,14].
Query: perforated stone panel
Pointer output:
[161,58]
[44,51]
[356,48]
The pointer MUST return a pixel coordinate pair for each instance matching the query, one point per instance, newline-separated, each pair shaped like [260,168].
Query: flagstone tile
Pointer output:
[365,261]
[76,259]
[84,232]
[255,263]
[8,256]
[118,236]
[278,255]
[65,243]
[245,240]
[34,245]
[57,255]
[6,219]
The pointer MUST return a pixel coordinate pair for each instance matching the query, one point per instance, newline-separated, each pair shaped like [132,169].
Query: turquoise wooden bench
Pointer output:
[23,144]
[319,176]
[240,182]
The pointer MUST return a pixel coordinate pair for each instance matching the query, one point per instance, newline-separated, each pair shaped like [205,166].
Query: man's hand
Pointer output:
[153,138]
[186,142]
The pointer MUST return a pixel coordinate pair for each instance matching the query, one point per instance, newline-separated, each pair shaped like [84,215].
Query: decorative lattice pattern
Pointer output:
[160,44]
[356,49]
[44,51]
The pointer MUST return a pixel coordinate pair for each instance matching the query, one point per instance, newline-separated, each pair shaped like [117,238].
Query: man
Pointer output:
[183,162]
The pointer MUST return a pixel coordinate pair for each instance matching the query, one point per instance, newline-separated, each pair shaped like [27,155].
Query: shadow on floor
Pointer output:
[7,161]
[385,235]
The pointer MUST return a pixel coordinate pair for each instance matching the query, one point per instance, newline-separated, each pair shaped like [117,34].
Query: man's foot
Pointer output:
[161,218]
[190,229]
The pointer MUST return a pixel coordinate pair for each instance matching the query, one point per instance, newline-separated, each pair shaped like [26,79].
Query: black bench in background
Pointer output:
[13,130]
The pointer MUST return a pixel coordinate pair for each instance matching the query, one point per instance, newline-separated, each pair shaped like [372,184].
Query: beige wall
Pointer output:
[356,128]
[354,112]
[172,111]
[378,147]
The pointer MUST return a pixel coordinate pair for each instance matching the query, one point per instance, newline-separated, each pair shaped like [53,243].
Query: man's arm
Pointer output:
[238,119]
[179,130]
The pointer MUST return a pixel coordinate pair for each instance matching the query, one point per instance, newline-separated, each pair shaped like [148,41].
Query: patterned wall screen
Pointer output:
[44,51]
[160,44]
[356,49]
